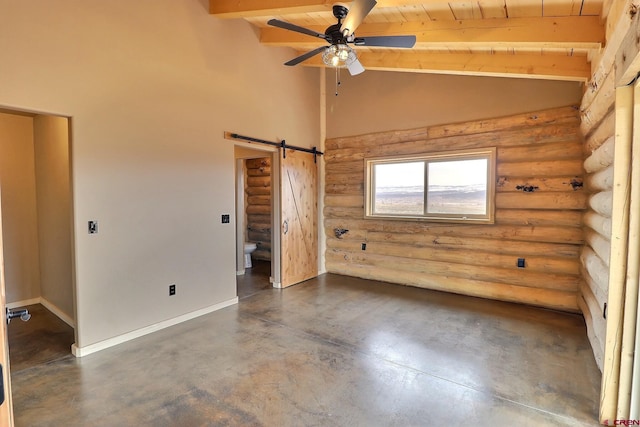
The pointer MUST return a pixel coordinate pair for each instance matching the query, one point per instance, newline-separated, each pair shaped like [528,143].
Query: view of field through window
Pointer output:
[454,187]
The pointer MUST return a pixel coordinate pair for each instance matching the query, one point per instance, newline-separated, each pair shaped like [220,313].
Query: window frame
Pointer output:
[457,155]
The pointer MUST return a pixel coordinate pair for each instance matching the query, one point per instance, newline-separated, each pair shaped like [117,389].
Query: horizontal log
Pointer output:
[557,183]
[260,227]
[549,234]
[437,241]
[258,236]
[541,169]
[351,188]
[539,118]
[258,163]
[558,300]
[602,202]
[254,191]
[600,293]
[566,128]
[256,218]
[540,152]
[477,256]
[506,247]
[263,171]
[259,200]
[509,138]
[560,282]
[601,133]
[596,344]
[265,246]
[596,309]
[355,167]
[259,181]
[259,209]
[600,181]
[261,255]
[343,212]
[602,157]
[598,223]
[538,217]
[600,105]
[357,234]
[347,177]
[344,201]
[600,245]
[538,200]
[596,268]
[379,138]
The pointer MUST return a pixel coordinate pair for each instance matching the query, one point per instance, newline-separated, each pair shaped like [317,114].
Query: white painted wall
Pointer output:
[19,216]
[151,85]
[53,195]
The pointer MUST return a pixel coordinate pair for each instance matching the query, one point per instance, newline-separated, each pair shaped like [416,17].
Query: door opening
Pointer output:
[37,232]
[256,248]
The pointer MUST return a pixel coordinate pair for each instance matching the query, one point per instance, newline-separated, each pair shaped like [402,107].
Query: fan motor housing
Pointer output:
[334,36]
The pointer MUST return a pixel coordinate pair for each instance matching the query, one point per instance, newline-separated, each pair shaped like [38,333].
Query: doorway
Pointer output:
[37,234]
[292,201]
[256,249]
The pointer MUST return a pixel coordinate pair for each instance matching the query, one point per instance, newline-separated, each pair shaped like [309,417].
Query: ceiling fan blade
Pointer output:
[357,12]
[299,59]
[355,68]
[386,41]
[296,28]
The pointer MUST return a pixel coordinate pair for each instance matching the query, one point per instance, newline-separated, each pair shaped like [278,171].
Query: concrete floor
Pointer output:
[333,351]
[43,339]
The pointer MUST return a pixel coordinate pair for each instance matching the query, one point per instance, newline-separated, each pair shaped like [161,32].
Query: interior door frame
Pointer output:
[275,208]
[7,407]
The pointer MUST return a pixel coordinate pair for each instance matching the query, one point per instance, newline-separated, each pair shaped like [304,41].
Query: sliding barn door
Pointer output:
[299,218]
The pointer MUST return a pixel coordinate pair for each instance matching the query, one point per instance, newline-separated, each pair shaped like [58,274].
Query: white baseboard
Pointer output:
[23,303]
[49,306]
[55,310]
[89,349]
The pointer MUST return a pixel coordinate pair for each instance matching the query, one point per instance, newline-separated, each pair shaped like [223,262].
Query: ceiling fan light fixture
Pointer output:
[339,56]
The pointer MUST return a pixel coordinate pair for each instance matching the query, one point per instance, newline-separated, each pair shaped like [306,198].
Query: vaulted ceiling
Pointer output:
[544,39]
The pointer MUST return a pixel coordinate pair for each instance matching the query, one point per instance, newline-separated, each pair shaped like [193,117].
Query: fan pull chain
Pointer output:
[337,79]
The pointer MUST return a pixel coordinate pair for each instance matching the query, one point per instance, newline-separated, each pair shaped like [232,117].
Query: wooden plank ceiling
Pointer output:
[543,39]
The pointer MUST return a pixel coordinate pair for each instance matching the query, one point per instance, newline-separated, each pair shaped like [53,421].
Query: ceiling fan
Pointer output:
[338,54]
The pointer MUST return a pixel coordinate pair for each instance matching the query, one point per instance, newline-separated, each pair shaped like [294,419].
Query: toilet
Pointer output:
[248,249]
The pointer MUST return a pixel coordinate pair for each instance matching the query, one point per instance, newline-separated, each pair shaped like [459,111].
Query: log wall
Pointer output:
[597,113]
[258,205]
[543,150]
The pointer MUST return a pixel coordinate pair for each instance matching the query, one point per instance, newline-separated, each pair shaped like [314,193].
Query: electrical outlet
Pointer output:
[93,227]
[364,246]
[226,218]
[172,290]
[521,263]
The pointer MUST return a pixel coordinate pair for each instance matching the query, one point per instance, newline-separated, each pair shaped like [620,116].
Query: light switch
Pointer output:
[93,227]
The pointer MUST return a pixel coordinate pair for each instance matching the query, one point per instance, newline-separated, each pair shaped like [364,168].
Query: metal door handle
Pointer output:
[285,226]
[22,314]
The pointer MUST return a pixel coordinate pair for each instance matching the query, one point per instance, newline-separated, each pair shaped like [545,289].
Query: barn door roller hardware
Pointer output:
[282,144]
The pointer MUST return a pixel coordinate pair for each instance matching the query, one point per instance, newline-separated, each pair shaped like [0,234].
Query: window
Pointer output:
[453,186]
